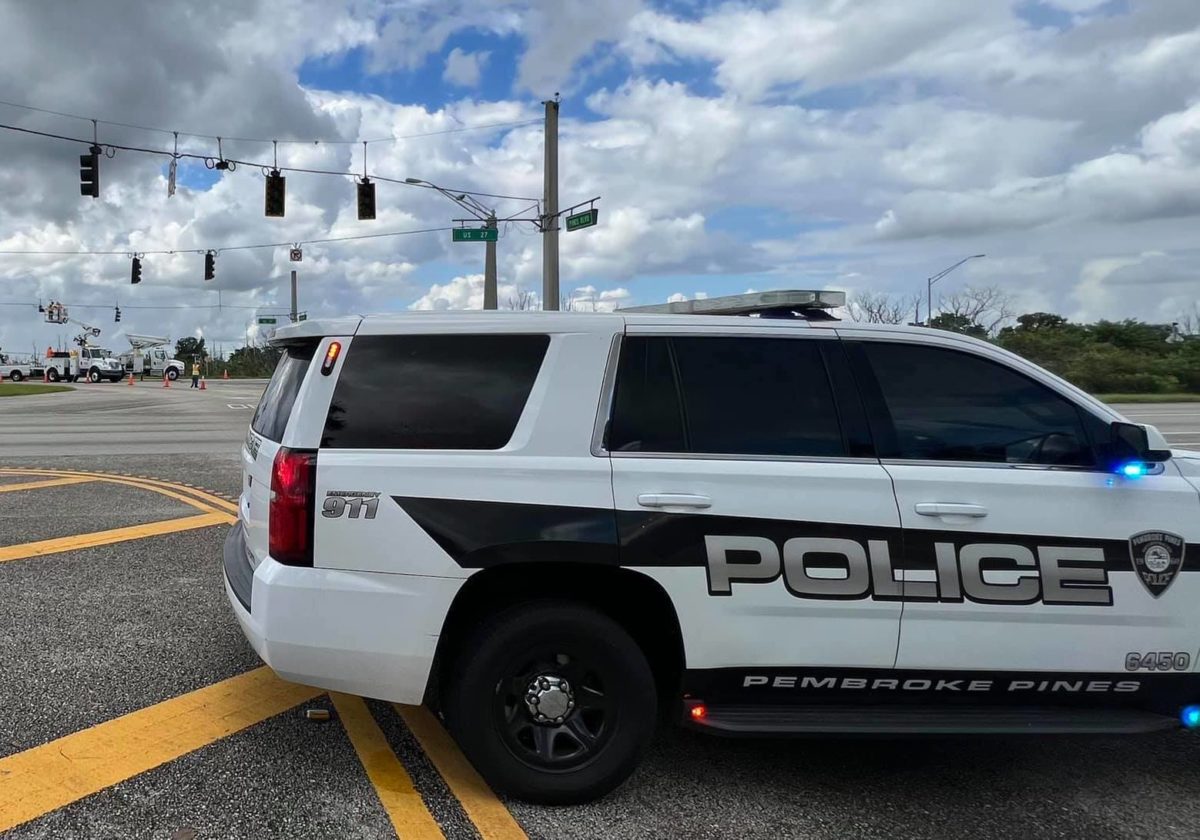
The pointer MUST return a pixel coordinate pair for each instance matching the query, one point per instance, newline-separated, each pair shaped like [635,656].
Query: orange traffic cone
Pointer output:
[131,380]
[226,376]
[203,387]
[166,381]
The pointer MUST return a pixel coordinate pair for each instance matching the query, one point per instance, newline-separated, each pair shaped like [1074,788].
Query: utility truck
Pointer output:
[148,356]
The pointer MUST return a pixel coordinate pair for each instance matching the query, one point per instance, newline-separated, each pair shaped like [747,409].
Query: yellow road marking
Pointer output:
[403,804]
[203,500]
[42,779]
[116,535]
[492,820]
[38,485]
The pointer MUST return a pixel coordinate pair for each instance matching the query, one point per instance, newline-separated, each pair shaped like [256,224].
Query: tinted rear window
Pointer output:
[276,404]
[432,391]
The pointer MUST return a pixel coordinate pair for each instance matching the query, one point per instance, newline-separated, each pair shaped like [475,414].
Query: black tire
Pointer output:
[93,375]
[600,739]
[52,374]
[16,376]
[172,374]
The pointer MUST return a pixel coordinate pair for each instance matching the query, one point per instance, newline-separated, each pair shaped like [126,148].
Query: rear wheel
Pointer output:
[553,702]
[52,374]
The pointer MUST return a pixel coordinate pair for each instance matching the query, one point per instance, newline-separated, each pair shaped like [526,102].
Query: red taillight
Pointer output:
[293,500]
[697,710]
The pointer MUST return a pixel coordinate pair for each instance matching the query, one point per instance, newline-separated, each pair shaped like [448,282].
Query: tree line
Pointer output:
[249,361]
[1104,357]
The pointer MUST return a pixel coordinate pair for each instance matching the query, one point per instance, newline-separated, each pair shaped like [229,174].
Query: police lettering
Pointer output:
[838,568]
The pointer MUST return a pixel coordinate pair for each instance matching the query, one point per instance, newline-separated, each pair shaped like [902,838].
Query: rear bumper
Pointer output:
[358,632]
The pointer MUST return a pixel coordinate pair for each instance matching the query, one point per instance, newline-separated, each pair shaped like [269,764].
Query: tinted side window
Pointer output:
[724,395]
[945,405]
[757,396]
[432,391]
[646,414]
[271,416]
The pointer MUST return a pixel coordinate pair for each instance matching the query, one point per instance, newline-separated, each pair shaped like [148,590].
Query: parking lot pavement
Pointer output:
[132,707]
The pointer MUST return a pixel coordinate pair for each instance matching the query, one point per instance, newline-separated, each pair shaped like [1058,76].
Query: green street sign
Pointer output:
[303,316]
[585,219]
[266,320]
[475,234]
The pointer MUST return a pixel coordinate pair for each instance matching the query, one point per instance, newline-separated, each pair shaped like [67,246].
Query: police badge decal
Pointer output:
[1157,558]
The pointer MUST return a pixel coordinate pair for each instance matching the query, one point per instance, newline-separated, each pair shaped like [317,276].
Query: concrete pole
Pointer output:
[490,291]
[294,314]
[550,213]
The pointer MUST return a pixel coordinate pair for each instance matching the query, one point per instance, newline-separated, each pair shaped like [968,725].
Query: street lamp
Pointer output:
[931,280]
[488,216]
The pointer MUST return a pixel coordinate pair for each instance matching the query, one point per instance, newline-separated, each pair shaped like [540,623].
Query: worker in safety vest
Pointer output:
[195,374]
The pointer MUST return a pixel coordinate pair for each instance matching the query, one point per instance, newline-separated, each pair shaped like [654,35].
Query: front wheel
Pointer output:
[16,376]
[553,702]
[172,374]
[93,375]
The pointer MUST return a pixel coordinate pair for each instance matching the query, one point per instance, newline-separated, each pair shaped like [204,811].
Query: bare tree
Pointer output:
[1189,322]
[523,301]
[881,308]
[990,307]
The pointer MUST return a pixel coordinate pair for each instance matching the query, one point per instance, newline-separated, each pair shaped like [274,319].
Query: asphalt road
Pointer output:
[1179,422]
[117,419]
[91,634]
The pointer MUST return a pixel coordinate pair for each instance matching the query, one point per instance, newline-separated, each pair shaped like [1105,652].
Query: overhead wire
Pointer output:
[210,161]
[317,141]
[33,252]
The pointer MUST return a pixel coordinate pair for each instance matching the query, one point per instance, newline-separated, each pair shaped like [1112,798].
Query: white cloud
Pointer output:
[466,292]
[464,68]
[791,144]
[1159,179]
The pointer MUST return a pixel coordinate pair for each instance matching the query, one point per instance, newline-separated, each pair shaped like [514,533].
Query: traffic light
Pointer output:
[135,271]
[276,191]
[89,172]
[210,265]
[366,200]
[117,314]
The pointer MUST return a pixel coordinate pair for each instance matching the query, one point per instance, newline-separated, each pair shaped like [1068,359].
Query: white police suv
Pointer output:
[557,528]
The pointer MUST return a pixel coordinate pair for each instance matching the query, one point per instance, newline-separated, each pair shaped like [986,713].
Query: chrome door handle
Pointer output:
[685,500]
[950,509]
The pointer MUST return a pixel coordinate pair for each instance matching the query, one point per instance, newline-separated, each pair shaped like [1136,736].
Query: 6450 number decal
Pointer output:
[356,505]
[1158,661]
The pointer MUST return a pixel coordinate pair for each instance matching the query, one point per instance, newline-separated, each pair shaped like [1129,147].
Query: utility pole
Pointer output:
[550,211]
[294,314]
[490,292]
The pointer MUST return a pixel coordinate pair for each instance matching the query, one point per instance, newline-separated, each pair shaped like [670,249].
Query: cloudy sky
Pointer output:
[853,144]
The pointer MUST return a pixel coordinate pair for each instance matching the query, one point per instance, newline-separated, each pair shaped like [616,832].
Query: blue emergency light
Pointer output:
[1190,717]
[1134,469]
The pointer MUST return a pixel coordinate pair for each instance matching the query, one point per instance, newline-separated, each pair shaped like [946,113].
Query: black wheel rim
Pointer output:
[585,729]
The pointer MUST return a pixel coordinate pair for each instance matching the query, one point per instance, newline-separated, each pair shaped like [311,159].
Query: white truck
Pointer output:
[91,363]
[13,369]
[148,356]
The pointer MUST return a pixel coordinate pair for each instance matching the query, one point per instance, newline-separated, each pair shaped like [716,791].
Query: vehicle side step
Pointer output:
[926,720]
